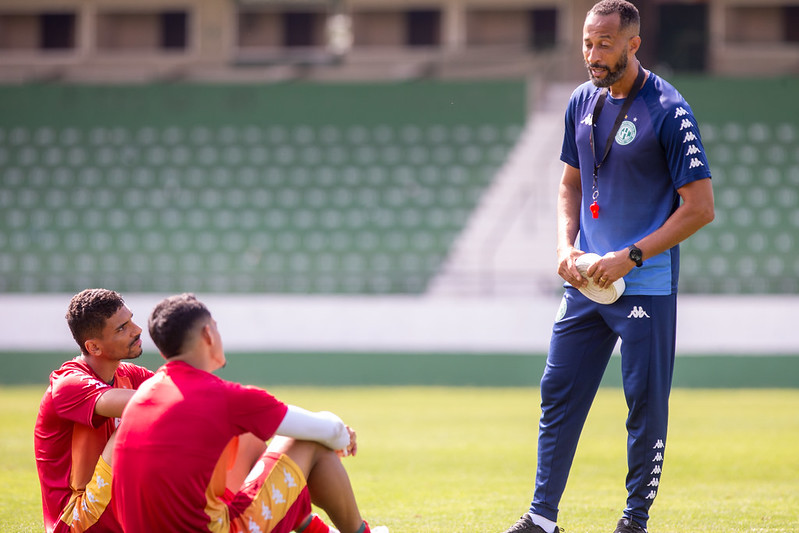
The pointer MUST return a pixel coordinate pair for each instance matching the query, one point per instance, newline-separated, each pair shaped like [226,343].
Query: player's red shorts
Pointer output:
[274,497]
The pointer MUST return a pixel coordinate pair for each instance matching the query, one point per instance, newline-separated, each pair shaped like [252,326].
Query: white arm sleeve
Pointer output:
[322,427]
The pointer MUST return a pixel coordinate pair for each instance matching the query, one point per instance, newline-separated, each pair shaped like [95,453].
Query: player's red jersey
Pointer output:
[69,437]
[172,435]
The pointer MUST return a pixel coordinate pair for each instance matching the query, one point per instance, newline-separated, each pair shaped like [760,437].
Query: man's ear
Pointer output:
[635,44]
[206,335]
[92,347]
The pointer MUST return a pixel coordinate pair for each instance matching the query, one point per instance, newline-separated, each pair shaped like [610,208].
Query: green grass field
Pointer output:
[463,459]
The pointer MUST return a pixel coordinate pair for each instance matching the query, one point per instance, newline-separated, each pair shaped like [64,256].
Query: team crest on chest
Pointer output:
[626,133]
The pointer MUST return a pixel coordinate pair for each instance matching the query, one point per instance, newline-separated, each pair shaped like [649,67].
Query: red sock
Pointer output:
[316,525]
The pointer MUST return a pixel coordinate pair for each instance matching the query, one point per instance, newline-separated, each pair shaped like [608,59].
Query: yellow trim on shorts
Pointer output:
[280,490]
[85,507]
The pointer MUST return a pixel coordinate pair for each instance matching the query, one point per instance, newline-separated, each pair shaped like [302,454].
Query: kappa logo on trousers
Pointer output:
[638,312]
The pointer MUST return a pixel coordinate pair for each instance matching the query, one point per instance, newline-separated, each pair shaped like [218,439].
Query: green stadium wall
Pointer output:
[431,369]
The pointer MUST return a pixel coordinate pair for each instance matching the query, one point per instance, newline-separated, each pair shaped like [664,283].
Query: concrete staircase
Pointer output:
[508,245]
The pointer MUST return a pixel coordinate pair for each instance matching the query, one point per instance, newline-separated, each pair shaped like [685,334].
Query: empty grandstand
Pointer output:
[306,188]
[754,149]
[361,148]
[289,189]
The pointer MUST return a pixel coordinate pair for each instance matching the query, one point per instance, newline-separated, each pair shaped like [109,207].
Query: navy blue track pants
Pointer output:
[583,339]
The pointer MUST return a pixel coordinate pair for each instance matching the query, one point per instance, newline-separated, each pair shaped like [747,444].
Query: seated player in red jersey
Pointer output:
[79,413]
[191,452]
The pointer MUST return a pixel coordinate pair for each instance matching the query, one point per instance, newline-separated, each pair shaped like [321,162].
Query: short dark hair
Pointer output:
[172,319]
[628,13]
[88,311]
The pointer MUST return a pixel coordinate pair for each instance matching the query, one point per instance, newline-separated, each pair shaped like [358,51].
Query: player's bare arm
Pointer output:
[569,199]
[113,402]
[695,211]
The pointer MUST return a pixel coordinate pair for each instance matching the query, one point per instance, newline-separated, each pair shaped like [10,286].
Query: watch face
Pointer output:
[635,255]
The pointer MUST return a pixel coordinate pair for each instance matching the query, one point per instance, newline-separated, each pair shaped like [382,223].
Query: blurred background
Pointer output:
[363,191]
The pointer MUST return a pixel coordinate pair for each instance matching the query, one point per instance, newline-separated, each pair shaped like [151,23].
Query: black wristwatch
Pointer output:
[636,255]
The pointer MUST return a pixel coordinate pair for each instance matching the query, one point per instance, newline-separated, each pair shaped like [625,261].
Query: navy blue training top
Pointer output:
[656,150]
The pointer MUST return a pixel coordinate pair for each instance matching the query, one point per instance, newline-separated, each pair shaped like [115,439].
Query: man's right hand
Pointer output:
[567,269]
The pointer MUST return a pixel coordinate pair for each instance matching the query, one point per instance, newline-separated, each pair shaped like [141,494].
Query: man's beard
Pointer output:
[134,351]
[613,75]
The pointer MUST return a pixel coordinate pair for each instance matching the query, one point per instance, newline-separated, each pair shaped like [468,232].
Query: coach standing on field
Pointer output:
[635,183]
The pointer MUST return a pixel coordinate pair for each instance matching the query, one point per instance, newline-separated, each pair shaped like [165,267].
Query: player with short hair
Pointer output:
[636,183]
[190,453]
[79,413]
